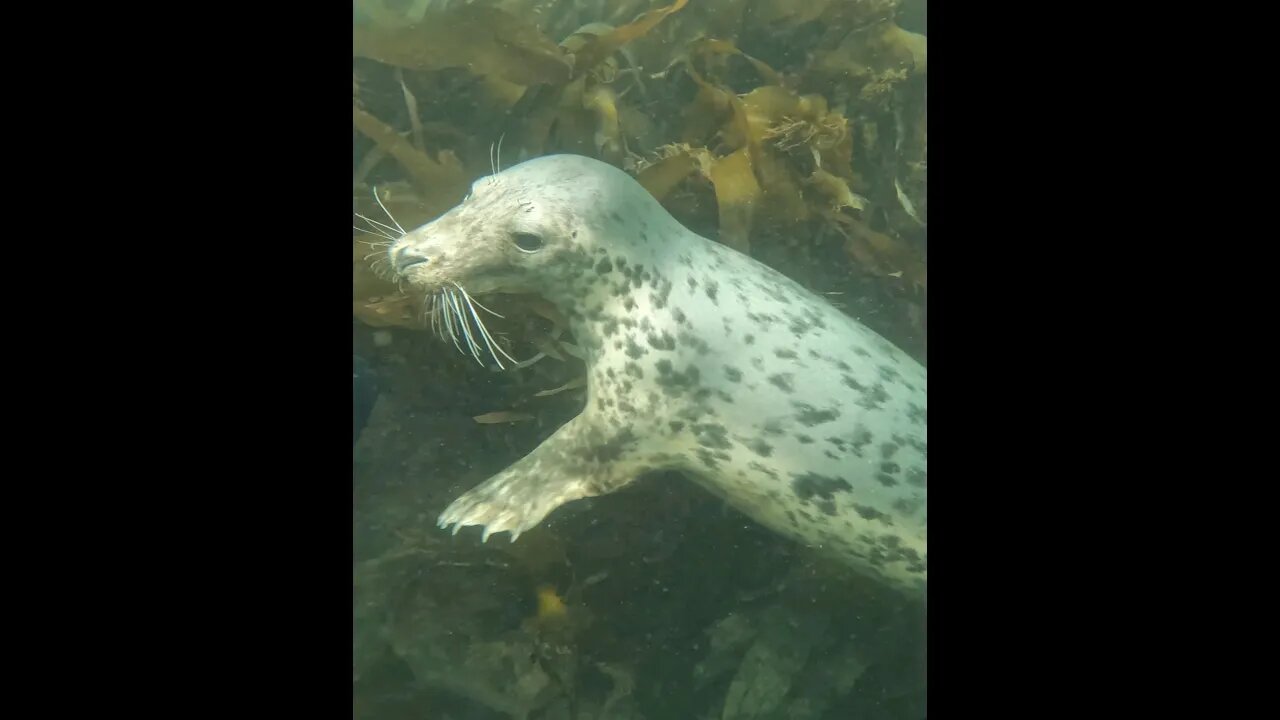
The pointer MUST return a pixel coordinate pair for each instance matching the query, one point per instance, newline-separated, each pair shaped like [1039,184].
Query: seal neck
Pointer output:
[613,297]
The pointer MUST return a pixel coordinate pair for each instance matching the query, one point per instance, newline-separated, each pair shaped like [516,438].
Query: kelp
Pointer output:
[880,253]
[832,138]
[439,183]
[879,55]
[481,38]
[675,163]
[737,194]
[602,46]
[581,115]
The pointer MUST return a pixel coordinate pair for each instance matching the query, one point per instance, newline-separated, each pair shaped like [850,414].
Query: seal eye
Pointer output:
[527,242]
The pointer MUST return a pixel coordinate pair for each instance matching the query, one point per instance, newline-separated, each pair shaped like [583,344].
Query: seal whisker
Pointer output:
[484,331]
[449,322]
[389,215]
[484,335]
[466,328]
[477,302]
[383,229]
[436,308]
[370,232]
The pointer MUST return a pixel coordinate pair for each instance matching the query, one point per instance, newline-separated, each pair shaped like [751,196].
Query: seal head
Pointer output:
[525,230]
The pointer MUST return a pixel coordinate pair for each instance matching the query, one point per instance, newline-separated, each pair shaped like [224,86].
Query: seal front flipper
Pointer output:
[579,460]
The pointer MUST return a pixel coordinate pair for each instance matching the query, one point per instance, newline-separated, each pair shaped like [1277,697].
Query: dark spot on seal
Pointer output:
[772,427]
[604,267]
[679,316]
[710,459]
[830,454]
[633,370]
[634,351]
[861,438]
[804,439]
[693,284]
[749,339]
[861,352]
[760,447]
[609,327]
[906,506]
[614,216]
[918,445]
[810,416]
[785,354]
[917,414]
[887,450]
[676,426]
[886,480]
[664,292]
[842,365]
[889,467]
[673,382]
[917,477]
[887,373]
[783,381]
[712,288]
[712,436]
[733,373]
[666,342]
[838,442]
[629,303]
[763,469]
[809,485]
[610,450]
[873,399]
[851,383]
[797,326]
[699,345]
[870,513]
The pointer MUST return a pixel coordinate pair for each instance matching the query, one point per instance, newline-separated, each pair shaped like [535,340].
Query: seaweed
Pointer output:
[484,39]
[792,122]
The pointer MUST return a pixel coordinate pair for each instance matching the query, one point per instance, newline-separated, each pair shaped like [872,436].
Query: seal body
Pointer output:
[699,359]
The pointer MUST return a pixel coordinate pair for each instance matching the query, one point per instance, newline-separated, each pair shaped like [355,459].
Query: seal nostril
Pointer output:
[408,257]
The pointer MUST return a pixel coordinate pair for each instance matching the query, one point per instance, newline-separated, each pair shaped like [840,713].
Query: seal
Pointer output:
[699,359]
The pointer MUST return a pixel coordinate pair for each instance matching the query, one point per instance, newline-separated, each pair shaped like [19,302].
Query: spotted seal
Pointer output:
[699,359]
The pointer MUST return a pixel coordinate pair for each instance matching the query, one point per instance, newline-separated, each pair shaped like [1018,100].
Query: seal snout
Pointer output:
[405,257]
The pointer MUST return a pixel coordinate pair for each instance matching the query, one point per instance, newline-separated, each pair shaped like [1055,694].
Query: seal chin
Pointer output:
[418,277]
